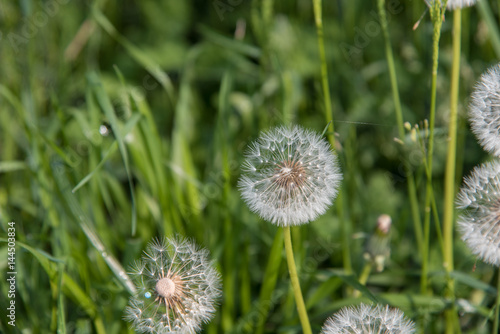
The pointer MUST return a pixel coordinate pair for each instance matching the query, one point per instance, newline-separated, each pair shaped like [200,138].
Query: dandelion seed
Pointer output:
[177,288]
[366,319]
[290,176]
[480,222]
[484,111]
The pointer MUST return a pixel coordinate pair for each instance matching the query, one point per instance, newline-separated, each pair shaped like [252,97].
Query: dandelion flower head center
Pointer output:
[168,287]
[184,283]
[289,174]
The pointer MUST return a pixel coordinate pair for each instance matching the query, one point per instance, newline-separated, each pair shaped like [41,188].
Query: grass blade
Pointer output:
[107,108]
[88,229]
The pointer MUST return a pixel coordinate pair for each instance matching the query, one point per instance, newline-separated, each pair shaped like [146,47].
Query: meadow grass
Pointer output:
[122,122]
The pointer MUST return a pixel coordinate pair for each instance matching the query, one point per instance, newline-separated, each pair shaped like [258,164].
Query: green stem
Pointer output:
[449,182]
[363,278]
[437,13]
[267,13]
[346,252]
[301,308]
[392,69]
[412,192]
[496,318]
[324,69]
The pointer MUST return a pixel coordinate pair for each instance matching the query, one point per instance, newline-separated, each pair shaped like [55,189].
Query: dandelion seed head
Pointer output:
[484,111]
[177,288]
[479,223]
[290,176]
[366,319]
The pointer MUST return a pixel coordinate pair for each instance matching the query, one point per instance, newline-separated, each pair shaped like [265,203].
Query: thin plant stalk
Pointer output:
[412,191]
[324,68]
[437,16]
[346,253]
[299,300]
[496,318]
[436,12]
[363,278]
[434,209]
[449,181]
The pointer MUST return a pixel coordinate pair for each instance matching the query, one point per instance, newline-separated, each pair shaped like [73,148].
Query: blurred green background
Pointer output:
[146,107]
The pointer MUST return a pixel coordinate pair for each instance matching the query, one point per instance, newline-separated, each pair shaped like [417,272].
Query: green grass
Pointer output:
[181,97]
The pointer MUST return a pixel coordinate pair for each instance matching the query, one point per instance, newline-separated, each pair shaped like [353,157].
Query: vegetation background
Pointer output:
[121,121]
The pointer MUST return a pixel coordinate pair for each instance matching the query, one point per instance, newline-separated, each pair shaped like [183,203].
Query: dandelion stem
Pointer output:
[437,13]
[346,252]
[449,182]
[301,308]
[496,318]
[324,68]
[392,69]
[412,192]
[363,278]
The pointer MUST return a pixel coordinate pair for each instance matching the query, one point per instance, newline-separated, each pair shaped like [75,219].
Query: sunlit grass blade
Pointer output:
[87,227]
[11,166]
[270,279]
[138,55]
[69,286]
[105,158]
[61,318]
[131,123]
[222,143]
[106,106]
[186,179]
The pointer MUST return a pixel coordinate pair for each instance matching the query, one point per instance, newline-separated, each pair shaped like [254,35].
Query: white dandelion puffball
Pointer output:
[455,4]
[484,111]
[177,288]
[480,222]
[366,319]
[290,176]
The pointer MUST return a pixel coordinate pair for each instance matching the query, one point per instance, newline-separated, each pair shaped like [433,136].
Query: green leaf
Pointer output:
[230,43]
[471,281]
[323,291]
[353,282]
